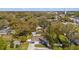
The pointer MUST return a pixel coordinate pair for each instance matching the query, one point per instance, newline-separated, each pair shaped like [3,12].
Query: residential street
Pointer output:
[32,47]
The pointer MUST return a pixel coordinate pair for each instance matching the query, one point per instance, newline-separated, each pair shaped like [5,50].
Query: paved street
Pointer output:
[32,47]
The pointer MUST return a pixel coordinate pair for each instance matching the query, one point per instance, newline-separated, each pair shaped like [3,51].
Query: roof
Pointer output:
[38,27]
[5,31]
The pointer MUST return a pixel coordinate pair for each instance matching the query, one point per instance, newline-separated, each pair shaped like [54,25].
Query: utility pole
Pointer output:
[65,12]
[56,16]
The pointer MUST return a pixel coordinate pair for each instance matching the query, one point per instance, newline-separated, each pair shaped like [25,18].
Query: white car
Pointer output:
[30,41]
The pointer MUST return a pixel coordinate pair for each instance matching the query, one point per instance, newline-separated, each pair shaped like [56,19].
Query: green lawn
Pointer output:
[39,45]
[57,48]
[72,47]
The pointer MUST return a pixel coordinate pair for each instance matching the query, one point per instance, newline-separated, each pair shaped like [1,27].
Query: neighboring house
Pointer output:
[75,19]
[5,31]
[38,29]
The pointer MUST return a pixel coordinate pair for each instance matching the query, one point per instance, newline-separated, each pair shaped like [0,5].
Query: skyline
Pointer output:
[39,9]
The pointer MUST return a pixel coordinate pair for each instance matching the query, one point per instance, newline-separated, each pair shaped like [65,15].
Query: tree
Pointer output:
[76,14]
[22,38]
[69,29]
[60,33]
[20,25]
[3,23]
[64,40]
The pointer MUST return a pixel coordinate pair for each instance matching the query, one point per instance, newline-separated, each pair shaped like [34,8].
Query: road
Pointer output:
[32,47]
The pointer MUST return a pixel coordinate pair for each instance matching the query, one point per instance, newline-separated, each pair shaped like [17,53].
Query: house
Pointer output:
[37,33]
[5,31]
[38,29]
[75,19]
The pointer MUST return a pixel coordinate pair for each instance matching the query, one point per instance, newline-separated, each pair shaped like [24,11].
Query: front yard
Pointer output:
[39,45]
[23,46]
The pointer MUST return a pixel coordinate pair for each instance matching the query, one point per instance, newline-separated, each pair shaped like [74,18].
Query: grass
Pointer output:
[39,45]
[72,47]
[57,48]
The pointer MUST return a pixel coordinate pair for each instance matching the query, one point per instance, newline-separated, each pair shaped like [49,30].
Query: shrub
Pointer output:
[11,44]
[3,44]
[22,38]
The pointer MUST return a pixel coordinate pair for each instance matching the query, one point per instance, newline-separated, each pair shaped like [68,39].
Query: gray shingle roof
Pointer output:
[5,31]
